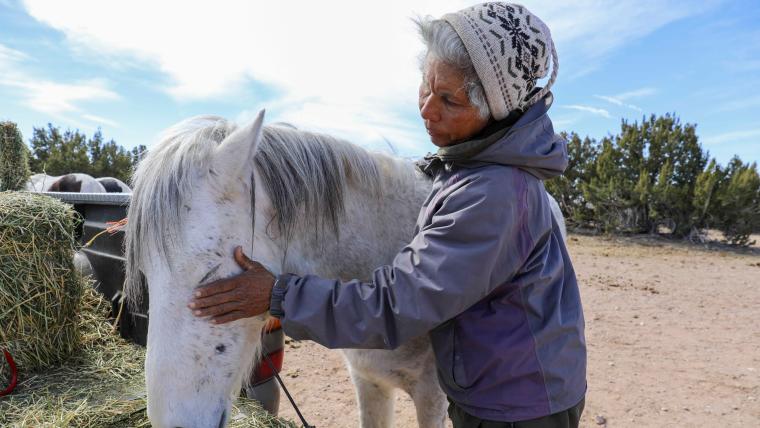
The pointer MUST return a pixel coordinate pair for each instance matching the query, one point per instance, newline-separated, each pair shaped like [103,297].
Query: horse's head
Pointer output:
[191,205]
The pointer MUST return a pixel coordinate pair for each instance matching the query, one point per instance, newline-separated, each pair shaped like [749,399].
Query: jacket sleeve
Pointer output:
[451,264]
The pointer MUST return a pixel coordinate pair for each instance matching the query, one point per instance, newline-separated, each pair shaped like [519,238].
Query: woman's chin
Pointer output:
[439,141]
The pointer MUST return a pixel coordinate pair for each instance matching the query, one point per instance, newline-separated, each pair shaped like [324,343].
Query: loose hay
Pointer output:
[102,385]
[39,289]
[48,312]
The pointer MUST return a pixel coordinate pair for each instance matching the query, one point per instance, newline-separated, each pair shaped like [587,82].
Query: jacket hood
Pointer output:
[530,144]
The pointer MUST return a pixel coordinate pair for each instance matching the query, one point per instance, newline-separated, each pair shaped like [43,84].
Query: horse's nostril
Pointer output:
[223,419]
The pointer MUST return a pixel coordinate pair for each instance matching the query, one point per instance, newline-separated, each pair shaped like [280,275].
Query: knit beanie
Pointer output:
[510,49]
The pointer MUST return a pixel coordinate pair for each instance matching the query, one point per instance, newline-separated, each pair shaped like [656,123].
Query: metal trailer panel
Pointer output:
[106,254]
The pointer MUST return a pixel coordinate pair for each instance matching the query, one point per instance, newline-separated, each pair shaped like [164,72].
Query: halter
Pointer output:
[265,352]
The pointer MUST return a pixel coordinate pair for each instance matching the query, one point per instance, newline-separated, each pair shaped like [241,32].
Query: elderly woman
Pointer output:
[487,274]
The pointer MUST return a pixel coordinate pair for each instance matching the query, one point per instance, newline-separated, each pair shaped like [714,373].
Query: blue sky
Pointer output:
[349,68]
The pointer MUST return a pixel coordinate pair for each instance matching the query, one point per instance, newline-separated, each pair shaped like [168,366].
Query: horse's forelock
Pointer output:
[161,179]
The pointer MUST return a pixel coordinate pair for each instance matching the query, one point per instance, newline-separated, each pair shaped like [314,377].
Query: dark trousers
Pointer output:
[566,419]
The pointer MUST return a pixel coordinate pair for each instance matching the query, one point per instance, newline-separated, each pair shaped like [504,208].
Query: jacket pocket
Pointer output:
[449,358]
[458,372]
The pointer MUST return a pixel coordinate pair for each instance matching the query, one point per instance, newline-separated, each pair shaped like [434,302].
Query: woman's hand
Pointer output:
[241,296]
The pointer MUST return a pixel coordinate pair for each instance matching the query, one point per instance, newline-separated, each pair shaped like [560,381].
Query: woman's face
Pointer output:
[449,116]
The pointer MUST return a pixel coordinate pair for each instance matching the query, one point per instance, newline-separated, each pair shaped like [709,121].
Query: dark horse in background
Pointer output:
[76,182]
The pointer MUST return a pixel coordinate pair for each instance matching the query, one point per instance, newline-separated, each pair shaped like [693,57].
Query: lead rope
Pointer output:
[285,389]
[266,354]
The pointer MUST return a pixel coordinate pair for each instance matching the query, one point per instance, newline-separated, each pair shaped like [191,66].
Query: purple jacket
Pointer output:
[487,275]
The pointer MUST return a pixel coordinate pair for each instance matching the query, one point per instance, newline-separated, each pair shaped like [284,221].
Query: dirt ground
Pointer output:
[672,332]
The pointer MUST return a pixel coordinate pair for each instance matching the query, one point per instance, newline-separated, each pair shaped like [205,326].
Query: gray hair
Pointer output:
[443,43]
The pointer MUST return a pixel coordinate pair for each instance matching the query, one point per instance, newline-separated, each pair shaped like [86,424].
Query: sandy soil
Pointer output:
[672,336]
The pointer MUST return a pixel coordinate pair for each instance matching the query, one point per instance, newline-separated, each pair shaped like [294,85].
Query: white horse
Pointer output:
[76,182]
[298,202]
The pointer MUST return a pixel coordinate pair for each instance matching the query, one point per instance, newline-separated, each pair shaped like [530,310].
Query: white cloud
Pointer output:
[597,111]
[358,121]
[637,93]
[619,99]
[10,56]
[330,49]
[594,28]
[361,122]
[325,58]
[312,48]
[745,136]
[46,96]
[55,98]
[745,101]
[101,120]
[617,102]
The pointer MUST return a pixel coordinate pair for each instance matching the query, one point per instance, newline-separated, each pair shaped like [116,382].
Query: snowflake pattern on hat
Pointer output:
[510,50]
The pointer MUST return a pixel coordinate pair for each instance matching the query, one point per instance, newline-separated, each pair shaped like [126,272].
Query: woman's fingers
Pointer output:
[216,310]
[212,299]
[216,287]
[229,317]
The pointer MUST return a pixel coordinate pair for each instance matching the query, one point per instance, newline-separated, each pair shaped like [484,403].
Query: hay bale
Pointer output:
[40,291]
[102,385]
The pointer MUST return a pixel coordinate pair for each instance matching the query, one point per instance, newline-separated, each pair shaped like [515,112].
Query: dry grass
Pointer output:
[101,385]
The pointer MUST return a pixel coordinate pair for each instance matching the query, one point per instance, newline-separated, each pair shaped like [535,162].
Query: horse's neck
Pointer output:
[373,230]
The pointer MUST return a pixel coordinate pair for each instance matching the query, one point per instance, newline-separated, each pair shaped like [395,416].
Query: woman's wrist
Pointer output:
[279,289]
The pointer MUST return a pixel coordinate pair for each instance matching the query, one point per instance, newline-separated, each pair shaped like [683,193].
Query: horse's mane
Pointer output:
[301,172]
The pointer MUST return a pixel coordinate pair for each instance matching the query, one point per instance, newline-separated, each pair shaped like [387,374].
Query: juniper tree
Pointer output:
[738,203]
[705,199]
[14,158]
[607,188]
[567,188]
[57,153]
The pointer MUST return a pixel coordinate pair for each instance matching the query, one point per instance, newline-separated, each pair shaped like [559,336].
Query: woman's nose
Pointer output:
[428,110]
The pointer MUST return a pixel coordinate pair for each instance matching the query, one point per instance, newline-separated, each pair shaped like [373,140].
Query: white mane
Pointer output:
[302,172]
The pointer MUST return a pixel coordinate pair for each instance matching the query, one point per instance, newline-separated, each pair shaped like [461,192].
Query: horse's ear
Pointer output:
[238,149]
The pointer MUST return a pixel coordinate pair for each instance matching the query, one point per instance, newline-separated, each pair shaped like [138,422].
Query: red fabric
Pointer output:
[14,374]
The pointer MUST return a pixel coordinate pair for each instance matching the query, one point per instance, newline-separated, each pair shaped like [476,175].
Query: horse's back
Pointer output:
[114,185]
[75,182]
[41,182]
